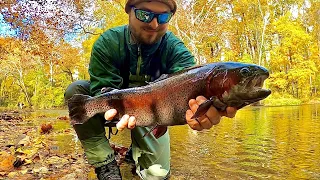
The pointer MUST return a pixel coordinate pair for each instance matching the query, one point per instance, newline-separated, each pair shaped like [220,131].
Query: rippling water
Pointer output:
[259,143]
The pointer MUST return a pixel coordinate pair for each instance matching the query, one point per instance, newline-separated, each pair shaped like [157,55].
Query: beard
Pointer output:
[141,35]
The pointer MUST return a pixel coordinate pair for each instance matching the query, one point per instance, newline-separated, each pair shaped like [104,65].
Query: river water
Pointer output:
[259,143]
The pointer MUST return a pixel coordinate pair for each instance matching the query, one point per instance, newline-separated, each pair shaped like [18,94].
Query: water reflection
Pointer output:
[259,143]
[63,140]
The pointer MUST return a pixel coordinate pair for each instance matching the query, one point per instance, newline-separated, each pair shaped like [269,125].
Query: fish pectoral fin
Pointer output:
[219,105]
[157,131]
[202,109]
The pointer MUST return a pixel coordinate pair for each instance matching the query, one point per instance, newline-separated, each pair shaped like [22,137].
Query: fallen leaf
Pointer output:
[41,170]
[71,176]
[46,128]
[24,171]
[57,161]
[24,140]
[6,162]
[11,175]
[92,174]
[63,118]
[36,157]
[27,162]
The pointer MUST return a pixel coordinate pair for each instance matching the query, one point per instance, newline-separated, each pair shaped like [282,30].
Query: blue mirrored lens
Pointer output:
[144,16]
[164,18]
[147,16]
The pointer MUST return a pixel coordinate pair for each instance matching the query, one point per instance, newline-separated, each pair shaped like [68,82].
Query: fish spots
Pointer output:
[155,112]
[140,101]
[165,102]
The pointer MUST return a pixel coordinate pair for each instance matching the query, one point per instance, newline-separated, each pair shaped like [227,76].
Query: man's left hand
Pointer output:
[212,116]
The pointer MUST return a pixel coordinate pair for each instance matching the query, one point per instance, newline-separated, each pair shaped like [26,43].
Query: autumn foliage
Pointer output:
[46,45]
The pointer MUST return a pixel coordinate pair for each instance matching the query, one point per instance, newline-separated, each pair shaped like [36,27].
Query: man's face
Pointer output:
[148,33]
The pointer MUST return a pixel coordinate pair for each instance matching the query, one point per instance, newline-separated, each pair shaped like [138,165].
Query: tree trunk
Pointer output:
[25,92]
[23,87]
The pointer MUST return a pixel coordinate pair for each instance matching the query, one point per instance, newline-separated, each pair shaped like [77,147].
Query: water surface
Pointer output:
[259,143]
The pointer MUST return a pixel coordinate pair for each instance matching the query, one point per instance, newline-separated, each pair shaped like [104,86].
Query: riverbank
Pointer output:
[288,101]
[29,149]
[41,144]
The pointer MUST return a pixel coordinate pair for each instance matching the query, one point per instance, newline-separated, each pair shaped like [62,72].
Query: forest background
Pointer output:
[46,44]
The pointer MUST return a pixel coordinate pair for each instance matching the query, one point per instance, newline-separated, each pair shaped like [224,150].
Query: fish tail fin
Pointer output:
[77,111]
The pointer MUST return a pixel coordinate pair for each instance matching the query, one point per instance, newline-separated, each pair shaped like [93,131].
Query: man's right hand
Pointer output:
[125,122]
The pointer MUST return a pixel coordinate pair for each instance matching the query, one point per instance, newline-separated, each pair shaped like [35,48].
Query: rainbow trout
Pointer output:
[164,102]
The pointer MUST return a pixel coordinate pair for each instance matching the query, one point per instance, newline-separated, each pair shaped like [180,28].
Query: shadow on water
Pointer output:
[260,142]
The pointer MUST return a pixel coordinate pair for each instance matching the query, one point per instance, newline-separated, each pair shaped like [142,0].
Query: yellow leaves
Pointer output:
[24,141]
[91,174]
[56,161]
[277,81]
[28,154]
[6,162]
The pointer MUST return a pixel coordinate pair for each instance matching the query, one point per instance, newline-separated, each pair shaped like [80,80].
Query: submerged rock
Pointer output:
[7,116]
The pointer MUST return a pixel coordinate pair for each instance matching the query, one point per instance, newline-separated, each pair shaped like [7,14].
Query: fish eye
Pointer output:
[245,72]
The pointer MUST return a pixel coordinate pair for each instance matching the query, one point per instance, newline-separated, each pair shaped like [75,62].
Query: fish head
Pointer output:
[237,84]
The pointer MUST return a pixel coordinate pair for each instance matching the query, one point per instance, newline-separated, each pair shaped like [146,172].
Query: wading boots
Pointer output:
[109,171]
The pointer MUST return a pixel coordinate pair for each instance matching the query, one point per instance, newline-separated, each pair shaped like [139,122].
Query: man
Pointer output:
[129,56]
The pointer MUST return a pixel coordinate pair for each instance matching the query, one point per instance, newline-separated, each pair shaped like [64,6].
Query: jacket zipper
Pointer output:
[139,61]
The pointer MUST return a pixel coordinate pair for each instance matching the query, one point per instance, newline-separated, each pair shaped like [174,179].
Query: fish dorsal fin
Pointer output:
[187,69]
[162,77]
[166,76]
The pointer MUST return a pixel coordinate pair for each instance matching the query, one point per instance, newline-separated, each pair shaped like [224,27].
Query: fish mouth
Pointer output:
[257,81]
[255,85]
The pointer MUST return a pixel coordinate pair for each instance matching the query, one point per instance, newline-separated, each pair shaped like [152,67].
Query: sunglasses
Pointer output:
[148,16]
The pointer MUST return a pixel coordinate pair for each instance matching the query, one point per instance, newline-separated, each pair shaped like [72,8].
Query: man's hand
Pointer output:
[212,116]
[125,122]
